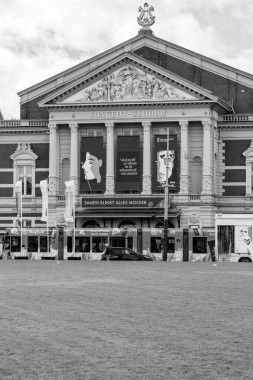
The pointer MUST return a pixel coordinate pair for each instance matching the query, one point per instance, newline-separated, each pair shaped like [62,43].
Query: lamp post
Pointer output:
[166,202]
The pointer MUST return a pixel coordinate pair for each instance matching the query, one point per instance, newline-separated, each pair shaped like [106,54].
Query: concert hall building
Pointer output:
[104,124]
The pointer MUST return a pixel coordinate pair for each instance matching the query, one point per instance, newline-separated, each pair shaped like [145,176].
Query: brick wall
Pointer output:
[220,86]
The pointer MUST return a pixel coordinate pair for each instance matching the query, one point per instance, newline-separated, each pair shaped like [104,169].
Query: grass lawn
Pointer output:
[125,320]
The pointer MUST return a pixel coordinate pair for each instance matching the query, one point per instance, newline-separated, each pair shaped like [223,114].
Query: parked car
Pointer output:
[118,253]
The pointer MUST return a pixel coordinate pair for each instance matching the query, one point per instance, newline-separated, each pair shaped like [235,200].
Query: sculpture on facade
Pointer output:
[146,18]
[129,83]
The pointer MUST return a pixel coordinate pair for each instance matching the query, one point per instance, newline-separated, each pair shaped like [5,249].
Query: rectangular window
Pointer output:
[199,245]
[25,175]
[130,242]
[43,244]
[226,237]
[98,244]
[156,245]
[69,244]
[15,244]
[83,244]
[171,245]
[33,243]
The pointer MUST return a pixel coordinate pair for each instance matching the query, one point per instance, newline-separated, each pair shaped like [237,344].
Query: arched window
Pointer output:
[196,175]
[24,162]
[160,224]
[91,224]
[127,224]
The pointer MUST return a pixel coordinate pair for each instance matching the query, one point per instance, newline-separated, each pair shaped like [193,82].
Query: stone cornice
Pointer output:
[233,126]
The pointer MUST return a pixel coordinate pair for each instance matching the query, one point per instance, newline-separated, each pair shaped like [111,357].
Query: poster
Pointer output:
[128,175]
[161,158]
[243,239]
[93,165]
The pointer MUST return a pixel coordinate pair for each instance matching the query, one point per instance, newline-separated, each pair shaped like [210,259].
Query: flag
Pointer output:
[44,192]
[70,201]
[18,192]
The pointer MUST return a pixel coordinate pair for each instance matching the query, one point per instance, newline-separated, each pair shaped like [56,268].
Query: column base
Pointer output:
[207,185]
[77,181]
[110,188]
[146,185]
[184,185]
[53,185]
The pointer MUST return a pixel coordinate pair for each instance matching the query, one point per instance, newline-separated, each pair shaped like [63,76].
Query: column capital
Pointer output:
[183,124]
[52,127]
[146,125]
[207,125]
[109,126]
[73,127]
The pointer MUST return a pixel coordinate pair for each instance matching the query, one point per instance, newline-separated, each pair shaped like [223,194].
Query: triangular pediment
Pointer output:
[129,84]
[248,153]
[128,79]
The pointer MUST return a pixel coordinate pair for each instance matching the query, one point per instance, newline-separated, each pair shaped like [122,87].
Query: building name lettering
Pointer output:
[127,114]
[134,202]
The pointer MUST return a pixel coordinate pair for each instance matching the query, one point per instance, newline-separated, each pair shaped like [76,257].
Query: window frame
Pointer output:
[24,157]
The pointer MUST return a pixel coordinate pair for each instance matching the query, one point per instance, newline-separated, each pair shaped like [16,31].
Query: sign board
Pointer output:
[138,202]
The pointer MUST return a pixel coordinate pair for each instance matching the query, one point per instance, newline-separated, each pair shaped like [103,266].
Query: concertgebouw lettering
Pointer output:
[127,114]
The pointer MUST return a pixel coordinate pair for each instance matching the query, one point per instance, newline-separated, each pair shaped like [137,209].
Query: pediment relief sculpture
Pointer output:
[24,150]
[129,84]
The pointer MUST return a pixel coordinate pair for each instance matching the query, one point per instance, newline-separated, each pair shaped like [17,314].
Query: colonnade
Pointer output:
[207,175]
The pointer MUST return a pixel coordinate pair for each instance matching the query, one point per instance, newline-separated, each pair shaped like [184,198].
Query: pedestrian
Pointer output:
[107,252]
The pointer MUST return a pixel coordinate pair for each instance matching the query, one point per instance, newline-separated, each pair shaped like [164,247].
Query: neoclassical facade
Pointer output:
[110,122]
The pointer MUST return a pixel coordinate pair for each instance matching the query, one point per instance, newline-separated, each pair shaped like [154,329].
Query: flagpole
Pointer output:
[21,221]
[48,246]
[74,218]
[166,203]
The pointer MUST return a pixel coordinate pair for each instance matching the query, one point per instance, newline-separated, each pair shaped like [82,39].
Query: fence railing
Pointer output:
[237,118]
[23,123]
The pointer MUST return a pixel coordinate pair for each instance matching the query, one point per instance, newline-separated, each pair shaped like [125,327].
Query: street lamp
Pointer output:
[166,201]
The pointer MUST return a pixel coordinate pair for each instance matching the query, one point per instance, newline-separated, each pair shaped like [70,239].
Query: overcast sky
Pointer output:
[39,39]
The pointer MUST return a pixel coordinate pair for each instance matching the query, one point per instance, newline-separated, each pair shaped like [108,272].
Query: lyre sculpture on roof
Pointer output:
[146,19]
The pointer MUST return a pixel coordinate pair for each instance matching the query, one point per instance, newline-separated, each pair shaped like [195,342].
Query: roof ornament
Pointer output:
[146,19]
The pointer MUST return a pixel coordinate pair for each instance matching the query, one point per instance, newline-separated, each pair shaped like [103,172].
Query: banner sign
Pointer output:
[93,166]
[26,231]
[243,239]
[124,232]
[161,157]
[142,202]
[128,163]
[70,201]
[44,193]
[18,193]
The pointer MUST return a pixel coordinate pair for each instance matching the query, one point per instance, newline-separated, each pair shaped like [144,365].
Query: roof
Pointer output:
[72,74]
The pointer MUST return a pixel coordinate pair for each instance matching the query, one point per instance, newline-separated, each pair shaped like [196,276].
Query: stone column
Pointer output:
[146,177]
[53,158]
[184,158]
[110,180]
[74,154]
[207,178]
